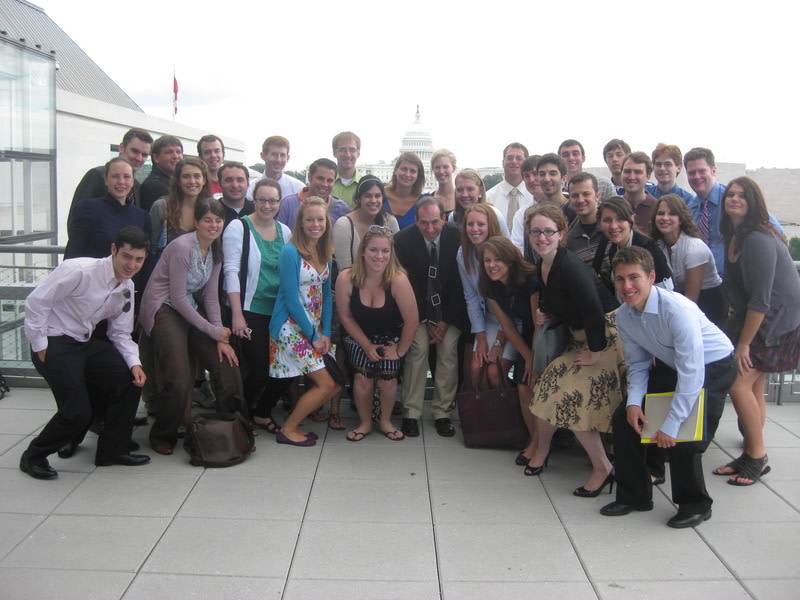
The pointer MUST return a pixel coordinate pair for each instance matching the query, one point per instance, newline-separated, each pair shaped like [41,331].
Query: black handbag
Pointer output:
[549,342]
[492,418]
[333,368]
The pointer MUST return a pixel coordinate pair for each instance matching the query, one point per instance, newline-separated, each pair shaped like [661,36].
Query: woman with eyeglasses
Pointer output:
[378,309]
[251,246]
[582,388]
[180,312]
[694,271]
[173,215]
[370,196]
[405,188]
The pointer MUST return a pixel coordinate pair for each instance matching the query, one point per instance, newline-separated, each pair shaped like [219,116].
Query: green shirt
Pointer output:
[347,192]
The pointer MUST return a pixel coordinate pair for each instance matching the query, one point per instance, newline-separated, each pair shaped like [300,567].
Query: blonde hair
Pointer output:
[358,270]
[323,249]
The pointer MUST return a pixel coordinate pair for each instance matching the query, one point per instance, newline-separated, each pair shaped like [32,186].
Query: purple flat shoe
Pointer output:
[282,439]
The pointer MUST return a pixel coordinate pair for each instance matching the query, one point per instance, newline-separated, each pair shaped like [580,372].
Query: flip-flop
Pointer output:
[357,436]
[395,433]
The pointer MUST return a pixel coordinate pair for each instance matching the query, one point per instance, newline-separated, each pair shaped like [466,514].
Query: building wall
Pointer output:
[85,131]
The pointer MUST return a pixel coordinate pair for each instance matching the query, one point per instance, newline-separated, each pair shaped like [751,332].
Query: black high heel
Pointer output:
[521,460]
[535,471]
[582,492]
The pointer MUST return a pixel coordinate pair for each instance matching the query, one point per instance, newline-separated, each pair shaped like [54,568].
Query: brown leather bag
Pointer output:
[218,440]
[492,418]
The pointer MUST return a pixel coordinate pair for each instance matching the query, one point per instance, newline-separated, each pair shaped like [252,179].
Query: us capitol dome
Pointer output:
[416,140]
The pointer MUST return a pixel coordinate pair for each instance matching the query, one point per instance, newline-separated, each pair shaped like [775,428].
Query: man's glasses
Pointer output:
[126,293]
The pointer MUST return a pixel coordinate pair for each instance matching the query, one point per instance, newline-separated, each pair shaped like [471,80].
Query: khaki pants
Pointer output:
[415,372]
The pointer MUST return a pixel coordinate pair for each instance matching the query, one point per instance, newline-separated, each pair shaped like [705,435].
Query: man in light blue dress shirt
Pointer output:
[692,354]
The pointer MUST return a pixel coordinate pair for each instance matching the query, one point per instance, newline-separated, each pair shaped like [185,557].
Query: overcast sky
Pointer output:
[696,73]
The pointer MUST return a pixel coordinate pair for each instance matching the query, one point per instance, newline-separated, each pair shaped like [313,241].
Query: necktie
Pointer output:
[434,308]
[513,207]
[703,224]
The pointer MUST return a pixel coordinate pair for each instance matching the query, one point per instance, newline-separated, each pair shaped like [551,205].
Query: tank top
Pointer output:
[385,320]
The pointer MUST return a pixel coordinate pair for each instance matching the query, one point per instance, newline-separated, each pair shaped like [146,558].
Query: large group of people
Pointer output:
[352,282]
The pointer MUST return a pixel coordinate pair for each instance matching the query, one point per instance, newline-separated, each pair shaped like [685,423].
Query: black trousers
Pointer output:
[70,366]
[685,459]
[260,390]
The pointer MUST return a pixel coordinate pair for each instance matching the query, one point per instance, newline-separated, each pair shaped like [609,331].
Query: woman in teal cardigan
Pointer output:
[300,328]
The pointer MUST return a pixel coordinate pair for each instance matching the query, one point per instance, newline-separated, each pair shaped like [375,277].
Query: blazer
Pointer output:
[412,252]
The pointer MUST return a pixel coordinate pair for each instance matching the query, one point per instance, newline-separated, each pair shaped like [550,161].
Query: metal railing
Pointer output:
[22,268]
[18,280]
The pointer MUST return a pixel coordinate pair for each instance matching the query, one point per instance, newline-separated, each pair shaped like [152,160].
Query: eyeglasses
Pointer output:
[547,232]
[270,201]
[347,150]
[380,229]
[666,165]
[126,293]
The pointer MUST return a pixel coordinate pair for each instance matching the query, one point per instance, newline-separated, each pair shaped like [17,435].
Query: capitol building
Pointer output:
[416,140]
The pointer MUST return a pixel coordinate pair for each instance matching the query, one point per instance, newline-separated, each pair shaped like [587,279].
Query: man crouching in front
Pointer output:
[692,353]
[60,317]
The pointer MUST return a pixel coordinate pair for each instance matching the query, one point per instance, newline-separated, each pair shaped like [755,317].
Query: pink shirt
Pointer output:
[74,298]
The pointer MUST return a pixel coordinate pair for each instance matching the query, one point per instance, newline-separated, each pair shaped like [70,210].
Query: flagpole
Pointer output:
[174,94]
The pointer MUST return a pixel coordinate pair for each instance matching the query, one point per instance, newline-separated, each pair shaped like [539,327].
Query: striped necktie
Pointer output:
[703,223]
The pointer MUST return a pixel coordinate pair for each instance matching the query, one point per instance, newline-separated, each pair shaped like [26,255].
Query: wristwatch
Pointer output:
[497,343]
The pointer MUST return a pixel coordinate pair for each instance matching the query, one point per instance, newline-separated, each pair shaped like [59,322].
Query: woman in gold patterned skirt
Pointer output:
[580,389]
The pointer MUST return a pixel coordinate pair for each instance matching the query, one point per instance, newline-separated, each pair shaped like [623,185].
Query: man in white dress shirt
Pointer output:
[275,154]
[510,194]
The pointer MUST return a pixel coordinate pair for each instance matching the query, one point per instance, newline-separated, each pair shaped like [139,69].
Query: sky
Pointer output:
[692,73]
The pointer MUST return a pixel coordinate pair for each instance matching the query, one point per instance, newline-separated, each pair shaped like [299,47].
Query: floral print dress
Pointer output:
[290,353]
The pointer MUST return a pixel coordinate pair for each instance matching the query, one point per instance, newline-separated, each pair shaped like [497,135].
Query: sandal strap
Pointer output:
[751,468]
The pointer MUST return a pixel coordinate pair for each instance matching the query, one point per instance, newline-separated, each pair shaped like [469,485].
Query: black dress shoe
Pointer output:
[618,509]
[37,471]
[410,427]
[683,520]
[444,427]
[128,460]
[68,450]
[134,445]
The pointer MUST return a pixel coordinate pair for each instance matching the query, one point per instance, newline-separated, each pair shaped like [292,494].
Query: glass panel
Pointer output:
[27,101]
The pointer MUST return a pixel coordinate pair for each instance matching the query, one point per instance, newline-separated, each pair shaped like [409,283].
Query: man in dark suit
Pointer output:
[428,253]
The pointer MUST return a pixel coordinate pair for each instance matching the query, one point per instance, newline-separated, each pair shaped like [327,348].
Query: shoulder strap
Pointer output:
[245,258]
[352,237]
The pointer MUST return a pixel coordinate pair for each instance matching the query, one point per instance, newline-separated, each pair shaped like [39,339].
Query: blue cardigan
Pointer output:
[288,301]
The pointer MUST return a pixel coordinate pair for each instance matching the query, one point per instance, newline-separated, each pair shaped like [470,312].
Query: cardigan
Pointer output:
[288,303]
[168,283]
[232,261]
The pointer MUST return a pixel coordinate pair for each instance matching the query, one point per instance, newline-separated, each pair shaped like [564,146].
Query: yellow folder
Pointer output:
[656,409]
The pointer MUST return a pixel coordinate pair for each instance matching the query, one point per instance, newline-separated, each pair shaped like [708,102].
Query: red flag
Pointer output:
[175,92]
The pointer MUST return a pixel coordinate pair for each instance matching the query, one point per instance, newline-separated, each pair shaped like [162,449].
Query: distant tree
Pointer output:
[794,248]
[258,167]
[301,175]
[492,180]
